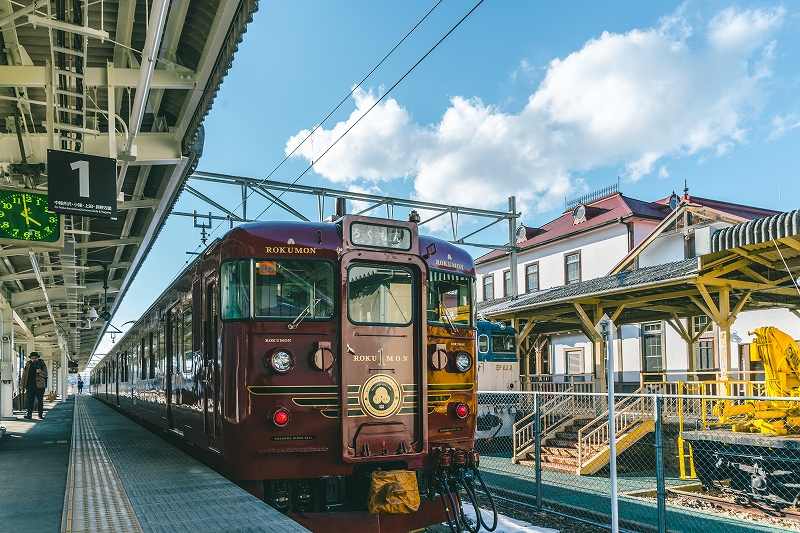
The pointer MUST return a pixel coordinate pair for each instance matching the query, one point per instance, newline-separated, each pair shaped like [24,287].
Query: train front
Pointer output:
[331,416]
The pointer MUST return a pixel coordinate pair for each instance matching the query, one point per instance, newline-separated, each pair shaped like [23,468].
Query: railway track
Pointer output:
[734,505]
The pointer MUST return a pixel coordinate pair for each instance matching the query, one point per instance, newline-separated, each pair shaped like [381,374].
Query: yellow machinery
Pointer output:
[760,459]
[780,356]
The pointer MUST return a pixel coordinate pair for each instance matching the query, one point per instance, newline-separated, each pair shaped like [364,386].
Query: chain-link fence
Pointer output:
[684,463]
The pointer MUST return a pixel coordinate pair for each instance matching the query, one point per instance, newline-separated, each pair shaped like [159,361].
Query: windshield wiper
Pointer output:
[446,315]
[303,313]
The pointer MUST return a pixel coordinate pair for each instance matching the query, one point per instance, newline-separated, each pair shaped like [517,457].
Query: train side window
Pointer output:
[188,352]
[144,355]
[483,343]
[235,286]
[380,295]
[151,347]
[175,341]
[162,352]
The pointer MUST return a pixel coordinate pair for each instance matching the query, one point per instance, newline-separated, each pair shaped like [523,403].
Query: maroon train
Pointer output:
[299,358]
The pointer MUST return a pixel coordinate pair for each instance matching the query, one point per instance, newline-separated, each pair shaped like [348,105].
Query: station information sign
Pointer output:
[81,184]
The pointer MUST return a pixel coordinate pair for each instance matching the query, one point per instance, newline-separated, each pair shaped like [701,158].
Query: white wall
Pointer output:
[665,249]
[600,250]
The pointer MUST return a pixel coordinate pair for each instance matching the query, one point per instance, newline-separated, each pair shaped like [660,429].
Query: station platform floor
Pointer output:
[87,468]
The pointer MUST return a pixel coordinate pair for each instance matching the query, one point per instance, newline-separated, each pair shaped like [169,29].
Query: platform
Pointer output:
[88,468]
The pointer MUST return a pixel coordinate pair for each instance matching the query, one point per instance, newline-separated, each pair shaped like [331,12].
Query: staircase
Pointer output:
[559,450]
[581,444]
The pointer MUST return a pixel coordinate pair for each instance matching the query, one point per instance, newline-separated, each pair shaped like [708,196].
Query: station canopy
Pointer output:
[751,266]
[116,80]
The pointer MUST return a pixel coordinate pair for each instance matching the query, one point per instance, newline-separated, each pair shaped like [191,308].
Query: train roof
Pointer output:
[495,326]
[448,256]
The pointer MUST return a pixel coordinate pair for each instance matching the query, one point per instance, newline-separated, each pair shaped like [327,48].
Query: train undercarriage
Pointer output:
[757,468]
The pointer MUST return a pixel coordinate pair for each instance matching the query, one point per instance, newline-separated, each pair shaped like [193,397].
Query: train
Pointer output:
[753,449]
[498,371]
[326,367]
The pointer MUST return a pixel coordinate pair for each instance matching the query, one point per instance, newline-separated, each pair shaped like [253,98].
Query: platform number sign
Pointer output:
[81,184]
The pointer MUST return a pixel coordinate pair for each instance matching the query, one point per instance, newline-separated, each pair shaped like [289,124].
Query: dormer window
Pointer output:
[579,214]
[522,234]
[673,201]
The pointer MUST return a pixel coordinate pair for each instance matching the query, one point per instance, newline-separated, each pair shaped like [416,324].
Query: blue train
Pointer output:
[498,371]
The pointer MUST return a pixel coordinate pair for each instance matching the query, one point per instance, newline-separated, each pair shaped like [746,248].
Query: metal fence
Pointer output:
[690,462]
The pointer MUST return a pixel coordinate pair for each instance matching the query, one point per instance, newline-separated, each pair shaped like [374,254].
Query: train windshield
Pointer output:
[380,295]
[504,343]
[282,289]
[449,299]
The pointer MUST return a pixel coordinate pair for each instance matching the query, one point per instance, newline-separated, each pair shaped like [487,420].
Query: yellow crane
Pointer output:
[781,358]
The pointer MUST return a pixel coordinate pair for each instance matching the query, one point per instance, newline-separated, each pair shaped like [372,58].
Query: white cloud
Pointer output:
[628,100]
[782,125]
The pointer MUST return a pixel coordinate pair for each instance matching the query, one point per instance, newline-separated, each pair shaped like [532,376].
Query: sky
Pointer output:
[542,101]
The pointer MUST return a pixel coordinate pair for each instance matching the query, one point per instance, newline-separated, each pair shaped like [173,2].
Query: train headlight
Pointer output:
[281,361]
[460,410]
[281,417]
[463,361]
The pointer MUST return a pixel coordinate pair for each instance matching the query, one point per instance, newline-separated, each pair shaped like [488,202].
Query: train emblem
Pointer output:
[381,396]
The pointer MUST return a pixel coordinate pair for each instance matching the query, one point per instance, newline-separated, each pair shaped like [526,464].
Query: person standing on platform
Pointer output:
[80,385]
[34,379]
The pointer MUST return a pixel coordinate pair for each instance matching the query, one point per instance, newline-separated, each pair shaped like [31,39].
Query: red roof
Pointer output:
[599,213]
[745,212]
[610,208]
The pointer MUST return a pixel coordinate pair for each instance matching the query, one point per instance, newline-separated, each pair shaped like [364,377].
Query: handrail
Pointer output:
[524,435]
[625,417]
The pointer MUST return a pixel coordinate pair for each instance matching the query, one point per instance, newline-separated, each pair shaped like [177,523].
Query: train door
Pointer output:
[384,383]
[210,362]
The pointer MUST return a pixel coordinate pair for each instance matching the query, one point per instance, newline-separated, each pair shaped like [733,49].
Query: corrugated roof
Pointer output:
[757,231]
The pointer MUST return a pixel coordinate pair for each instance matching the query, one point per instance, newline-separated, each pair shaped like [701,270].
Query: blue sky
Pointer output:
[539,100]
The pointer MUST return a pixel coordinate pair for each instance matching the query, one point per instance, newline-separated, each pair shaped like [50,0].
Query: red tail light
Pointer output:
[280,417]
[460,410]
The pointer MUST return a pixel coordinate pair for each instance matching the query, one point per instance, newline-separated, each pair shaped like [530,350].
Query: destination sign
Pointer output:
[380,236]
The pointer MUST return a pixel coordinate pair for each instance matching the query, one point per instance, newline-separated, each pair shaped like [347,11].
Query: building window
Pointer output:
[488,287]
[574,360]
[704,355]
[572,267]
[700,323]
[532,277]
[652,347]
[507,283]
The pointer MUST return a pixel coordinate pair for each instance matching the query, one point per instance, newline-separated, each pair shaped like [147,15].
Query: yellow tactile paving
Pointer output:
[95,499]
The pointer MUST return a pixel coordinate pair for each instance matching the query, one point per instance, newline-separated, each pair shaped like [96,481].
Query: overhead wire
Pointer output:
[324,120]
[336,108]
[378,101]
[345,99]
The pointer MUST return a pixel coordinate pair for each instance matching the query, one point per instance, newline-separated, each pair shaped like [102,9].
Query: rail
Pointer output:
[679,402]
[673,377]
[558,383]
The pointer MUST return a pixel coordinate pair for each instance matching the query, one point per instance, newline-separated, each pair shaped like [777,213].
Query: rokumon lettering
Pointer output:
[290,250]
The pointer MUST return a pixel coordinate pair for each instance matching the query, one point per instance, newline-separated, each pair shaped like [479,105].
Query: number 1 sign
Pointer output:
[81,184]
